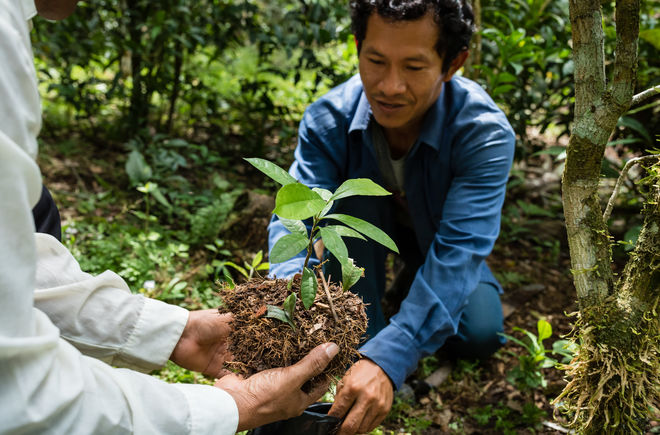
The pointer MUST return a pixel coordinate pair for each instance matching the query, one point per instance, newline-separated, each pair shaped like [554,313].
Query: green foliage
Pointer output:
[248,269]
[284,314]
[506,420]
[528,375]
[296,202]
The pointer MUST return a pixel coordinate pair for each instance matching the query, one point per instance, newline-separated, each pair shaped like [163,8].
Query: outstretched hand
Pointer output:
[364,396]
[275,394]
[203,346]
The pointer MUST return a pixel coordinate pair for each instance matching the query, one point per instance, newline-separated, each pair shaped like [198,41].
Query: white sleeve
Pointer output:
[47,385]
[100,316]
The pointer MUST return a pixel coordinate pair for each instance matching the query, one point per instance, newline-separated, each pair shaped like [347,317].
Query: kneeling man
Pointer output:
[439,143]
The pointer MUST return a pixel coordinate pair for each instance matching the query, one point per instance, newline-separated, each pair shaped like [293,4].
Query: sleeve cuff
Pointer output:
[394,352]
[157,319]
[212,410]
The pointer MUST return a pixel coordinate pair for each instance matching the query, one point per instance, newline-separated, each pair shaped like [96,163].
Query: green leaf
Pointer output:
[294,226]
[359,186]
[137,168]
[272,170]
[323,193]
[365,228]
[288,246]
[308,287]
[350,274]
[240,269]
[297,201]
[345,231]
[633,124]
[333,242]
[160,197]
[544,328]
[256,261]
[279,314]
[290,305]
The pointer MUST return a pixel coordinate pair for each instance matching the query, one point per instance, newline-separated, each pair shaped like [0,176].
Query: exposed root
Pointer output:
[611,390]
[259,343]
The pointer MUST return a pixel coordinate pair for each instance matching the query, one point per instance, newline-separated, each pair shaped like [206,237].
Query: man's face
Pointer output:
[55,9]
[401,71]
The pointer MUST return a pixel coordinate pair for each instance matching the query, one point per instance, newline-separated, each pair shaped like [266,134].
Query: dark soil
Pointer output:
[260,343]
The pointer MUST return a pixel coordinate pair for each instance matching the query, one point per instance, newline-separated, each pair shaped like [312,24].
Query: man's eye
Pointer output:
[415,68]
[376,61]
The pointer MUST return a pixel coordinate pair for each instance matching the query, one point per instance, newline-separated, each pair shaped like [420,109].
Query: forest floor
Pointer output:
[530,259]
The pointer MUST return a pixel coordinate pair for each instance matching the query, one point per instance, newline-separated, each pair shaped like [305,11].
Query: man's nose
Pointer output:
[392,83]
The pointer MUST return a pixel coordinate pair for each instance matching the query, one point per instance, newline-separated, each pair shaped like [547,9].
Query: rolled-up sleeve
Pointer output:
[466,233]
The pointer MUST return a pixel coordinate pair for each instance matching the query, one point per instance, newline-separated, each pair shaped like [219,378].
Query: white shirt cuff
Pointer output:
[212,410]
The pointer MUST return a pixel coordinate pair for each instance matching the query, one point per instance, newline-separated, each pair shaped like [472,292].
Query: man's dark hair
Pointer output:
[454,18]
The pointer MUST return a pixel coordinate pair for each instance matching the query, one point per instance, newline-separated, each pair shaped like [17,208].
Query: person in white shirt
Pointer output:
[62,330]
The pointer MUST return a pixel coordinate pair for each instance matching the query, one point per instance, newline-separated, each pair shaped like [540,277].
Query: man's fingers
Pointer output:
[314,362]
[353,420]
[343,402]
[317,392]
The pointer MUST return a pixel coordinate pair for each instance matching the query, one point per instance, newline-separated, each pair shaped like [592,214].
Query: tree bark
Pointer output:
[615,374]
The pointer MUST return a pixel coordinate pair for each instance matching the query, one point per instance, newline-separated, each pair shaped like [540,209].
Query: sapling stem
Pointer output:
[310,246]
[327,293]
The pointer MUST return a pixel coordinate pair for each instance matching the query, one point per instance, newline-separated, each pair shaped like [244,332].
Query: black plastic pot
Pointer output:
[313,421]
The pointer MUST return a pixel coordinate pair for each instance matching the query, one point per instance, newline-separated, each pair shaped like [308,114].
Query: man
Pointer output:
[60,326]
[441,145]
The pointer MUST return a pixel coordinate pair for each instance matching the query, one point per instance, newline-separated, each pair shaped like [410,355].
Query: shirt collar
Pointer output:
[431,126]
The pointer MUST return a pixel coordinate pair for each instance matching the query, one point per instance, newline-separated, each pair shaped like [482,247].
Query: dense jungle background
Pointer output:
[149,109]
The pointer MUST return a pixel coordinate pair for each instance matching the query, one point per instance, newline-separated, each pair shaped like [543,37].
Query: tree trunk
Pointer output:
[614,377]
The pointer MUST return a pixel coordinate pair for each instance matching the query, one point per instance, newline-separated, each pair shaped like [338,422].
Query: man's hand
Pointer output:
[366,393]
[275,394]
[203,343]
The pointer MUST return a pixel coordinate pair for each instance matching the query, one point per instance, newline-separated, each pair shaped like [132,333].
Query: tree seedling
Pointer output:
[295,203]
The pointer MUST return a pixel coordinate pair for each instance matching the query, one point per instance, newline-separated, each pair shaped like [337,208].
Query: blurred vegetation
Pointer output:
[162,99]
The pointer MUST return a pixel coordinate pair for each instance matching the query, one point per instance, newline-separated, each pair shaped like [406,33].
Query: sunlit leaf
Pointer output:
[350,274]
[297,201]
[359,186]
[365,228]
[323,193]
[272,170]
[308,287]
[334,243]
[544,329]
[288,246]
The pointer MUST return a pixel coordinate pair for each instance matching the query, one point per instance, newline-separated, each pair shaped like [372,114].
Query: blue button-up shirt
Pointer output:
[455,179]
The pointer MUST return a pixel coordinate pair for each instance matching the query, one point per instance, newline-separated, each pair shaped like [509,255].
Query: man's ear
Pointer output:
[456,64]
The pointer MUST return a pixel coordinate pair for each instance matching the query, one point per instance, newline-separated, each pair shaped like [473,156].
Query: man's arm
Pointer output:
[465,237]
[100,316]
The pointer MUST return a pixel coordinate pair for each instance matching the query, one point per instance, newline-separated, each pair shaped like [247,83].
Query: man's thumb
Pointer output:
[315,361]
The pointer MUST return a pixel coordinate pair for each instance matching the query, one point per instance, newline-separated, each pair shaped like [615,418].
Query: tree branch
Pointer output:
[619,181]
[645,94]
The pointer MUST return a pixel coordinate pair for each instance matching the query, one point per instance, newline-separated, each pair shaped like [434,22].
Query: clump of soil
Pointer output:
[260,343]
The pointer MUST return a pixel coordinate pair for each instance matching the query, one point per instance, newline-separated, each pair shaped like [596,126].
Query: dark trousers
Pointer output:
[47,216]
[482,318]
